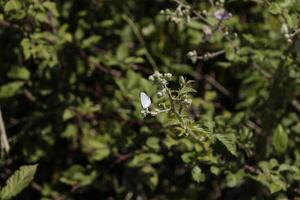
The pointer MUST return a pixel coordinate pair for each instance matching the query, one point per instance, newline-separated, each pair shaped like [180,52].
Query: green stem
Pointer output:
[178,116]
[173,108]
[141,40]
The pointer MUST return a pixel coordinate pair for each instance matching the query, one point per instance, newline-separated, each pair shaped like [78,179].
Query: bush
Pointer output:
[218,82]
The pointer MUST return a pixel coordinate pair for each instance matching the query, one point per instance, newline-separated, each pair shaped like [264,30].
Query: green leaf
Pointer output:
[96,148]
[122,51]
[151,176]
[268,176]
[78,174]
[187,157]
[230,53]
[197,174]
[280,140]
[18,181]
[215,170]
[10,89]
[275,8]
[90,41]
[51,6]
[26,46]
[234,179]
[19,73]
[12,5]
[145,158]
[291,20]
[70,131]
[228,140]
[277,184]
[186,90]
[153,142]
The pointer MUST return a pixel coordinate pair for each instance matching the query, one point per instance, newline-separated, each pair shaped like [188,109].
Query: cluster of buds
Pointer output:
[173,101]
[186,100]
[161,80]
[182,13]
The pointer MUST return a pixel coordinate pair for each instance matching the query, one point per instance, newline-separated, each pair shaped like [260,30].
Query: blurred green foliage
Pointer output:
[72,72]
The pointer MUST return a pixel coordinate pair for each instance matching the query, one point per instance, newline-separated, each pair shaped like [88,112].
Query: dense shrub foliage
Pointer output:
[223,78]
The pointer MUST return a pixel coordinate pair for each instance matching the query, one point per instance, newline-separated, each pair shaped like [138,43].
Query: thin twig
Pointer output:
[98,66]
[218,86]
[253,126]
[71,191]
[295,33]
[8,24]
[296,105]
[4,145]
[211,55]
[141,40]
[263,72]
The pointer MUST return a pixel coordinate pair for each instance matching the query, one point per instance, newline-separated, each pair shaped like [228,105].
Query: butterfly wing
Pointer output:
[145,100]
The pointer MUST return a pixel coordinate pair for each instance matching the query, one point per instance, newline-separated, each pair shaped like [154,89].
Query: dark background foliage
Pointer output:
[71,73]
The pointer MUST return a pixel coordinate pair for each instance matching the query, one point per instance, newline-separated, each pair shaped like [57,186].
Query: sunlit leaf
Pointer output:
[18,181]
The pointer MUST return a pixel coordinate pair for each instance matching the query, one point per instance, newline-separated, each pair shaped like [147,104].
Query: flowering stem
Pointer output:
[178,116]
[173,108]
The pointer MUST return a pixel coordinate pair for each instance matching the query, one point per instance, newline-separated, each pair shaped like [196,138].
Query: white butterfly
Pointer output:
[145,100]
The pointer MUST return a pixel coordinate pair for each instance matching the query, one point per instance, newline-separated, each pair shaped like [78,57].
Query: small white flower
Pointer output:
[145,100]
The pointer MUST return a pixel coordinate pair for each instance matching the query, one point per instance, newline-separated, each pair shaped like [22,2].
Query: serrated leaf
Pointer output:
[186,90]
[275,8]
[228,140]
[280,140]
[18,181]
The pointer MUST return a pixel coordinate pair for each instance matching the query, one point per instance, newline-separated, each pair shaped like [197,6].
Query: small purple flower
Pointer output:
[222,14]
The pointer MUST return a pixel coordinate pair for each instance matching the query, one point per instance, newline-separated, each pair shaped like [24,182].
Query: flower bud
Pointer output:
[284,29]
[287,36]
[144,113]
[168,76]
[181,81]
[151,78]
[188,101]
[192,55]
[160,94]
